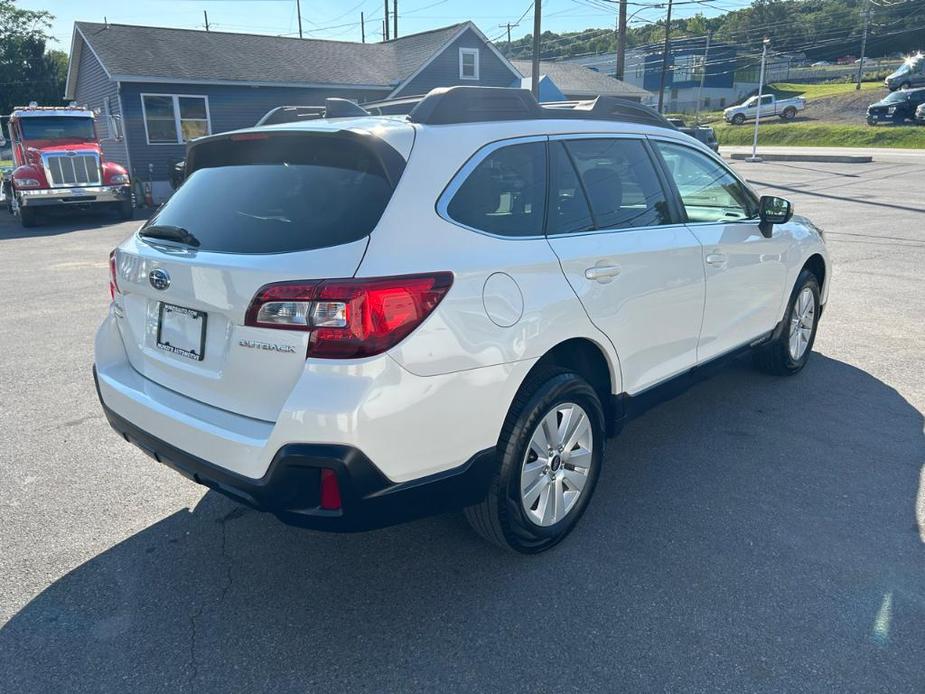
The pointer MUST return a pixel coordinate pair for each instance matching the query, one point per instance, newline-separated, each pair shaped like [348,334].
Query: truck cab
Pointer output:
[58,162]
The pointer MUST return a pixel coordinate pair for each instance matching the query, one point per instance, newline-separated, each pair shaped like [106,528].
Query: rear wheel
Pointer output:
[789,351]
[789,113]
[738,119]
[550,451]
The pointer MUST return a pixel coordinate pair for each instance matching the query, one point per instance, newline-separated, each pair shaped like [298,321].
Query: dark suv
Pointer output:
[896,107]
[704,133]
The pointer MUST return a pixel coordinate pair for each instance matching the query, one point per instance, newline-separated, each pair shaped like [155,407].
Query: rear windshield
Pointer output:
[280,194]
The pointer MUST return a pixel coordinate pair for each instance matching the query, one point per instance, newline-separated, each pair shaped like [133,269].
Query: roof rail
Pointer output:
[291,114]
[393,107]
[479,104]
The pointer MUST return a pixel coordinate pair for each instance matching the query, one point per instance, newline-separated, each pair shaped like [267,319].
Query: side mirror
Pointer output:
[773,210]
[115,129]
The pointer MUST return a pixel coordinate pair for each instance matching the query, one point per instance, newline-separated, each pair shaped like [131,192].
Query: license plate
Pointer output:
[181,331]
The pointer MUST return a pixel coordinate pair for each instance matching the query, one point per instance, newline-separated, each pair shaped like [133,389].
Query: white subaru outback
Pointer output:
[352,322]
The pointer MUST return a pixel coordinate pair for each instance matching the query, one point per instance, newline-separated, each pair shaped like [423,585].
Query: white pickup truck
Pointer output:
[770,106]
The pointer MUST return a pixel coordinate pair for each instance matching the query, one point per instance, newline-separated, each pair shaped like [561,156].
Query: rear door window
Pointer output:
[505,193]
[281,194]
[620,182]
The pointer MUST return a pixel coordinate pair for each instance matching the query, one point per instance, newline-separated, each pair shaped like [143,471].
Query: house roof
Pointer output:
[573,79]
[141,53]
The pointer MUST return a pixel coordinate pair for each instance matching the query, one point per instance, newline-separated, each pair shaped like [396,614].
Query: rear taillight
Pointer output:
[113,285]
[349,318]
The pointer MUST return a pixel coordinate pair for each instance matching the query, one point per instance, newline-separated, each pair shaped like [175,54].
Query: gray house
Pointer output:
[577,82]
[171,85]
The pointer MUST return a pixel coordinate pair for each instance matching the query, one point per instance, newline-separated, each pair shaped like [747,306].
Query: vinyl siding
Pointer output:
[230,108]
[443,71]
[92,88]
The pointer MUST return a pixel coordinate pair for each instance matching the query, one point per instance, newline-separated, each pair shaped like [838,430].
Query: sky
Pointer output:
[340,19]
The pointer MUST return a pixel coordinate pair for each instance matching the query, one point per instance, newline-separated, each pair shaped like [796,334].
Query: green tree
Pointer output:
[28,72]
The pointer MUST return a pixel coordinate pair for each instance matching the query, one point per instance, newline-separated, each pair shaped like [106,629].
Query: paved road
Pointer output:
[752,535]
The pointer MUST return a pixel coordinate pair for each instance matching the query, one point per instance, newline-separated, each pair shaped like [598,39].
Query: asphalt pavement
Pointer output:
[753,535]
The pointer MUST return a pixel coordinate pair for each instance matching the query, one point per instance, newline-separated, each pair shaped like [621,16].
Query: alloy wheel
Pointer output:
[556,465]
[802,319]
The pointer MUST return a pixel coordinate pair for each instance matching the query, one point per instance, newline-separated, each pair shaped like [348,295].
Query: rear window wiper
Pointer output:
[168,232]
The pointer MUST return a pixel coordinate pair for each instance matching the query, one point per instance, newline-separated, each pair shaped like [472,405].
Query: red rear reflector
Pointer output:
[113,285]
[330,490]
[350,318]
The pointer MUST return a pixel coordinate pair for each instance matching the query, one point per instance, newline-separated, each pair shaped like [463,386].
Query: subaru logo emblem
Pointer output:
[159,279]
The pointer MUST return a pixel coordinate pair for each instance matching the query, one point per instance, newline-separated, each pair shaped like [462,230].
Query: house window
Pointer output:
[172,119]
[468,63]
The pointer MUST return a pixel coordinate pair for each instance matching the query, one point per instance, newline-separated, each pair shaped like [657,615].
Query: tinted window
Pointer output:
[568,206]
[506,193]
[709,192]
[279,195]
[620,181]
[57,128]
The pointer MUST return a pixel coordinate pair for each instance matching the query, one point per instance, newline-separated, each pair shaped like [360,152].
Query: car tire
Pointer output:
[788,352]
[738,119]
[789,113]
[516,512]
[28,217]
[871,121]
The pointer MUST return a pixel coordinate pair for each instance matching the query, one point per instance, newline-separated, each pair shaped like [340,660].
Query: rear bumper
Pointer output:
[74,196]
[290,489]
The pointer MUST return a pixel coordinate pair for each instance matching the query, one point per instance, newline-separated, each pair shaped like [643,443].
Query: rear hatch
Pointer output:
[257,207]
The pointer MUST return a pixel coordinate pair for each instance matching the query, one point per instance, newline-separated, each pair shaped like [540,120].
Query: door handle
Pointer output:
[716,259]
[602,273]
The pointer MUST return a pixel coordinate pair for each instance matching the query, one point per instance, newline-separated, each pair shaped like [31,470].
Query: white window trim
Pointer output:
[473,52]
[176,117]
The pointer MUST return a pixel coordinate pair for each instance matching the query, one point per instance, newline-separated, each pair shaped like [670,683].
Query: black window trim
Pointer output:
[676,194]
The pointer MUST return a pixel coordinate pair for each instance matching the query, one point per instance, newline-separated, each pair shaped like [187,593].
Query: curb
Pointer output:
[830,158]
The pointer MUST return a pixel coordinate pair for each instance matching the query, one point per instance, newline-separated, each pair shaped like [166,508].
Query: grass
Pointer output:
[786,90]
[6,163]
[824,135]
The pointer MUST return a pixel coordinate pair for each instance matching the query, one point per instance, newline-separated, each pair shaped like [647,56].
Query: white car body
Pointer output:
[770,106]
[666,299]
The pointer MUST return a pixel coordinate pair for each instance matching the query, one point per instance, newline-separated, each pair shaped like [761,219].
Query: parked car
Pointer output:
[354,322]
[703,133]
[786,109]
[910,74]
[896,107]
[920,114]
[821,63]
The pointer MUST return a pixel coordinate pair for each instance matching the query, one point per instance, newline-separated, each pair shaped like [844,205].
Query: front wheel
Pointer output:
[738,119]
[28,217]
[789,351]
[550,451]
[871,121]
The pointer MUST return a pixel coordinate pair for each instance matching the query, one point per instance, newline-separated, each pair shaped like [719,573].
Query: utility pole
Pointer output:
[394,19]
[508,25]
[621,41]
[383,30]
[703,75]
[863,45]
[298,10]
[386,20]
[362,27]
[206,15]
[661,81]
[764,56]
[535,69]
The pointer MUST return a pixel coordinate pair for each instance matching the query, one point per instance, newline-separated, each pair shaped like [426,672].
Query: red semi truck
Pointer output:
[58,162]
